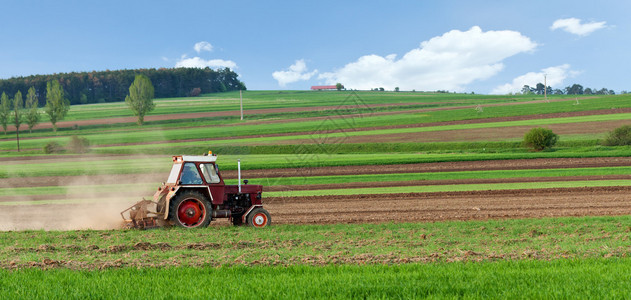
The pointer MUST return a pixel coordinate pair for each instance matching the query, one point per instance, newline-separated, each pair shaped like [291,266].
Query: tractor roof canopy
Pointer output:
[194,158]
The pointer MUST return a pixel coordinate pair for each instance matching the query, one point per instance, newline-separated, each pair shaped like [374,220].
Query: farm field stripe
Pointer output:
[180,133]
[557,279]
[451,188]
[533,108]
[161,165]
[288,99]
[322,244]
[486,174]
[327,135]
[144,135]
[76,194]
[79,188]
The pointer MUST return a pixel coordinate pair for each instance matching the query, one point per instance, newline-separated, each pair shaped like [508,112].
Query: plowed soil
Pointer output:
[434,207]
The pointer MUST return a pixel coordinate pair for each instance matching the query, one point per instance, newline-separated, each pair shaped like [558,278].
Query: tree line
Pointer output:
[113,86]
[15,111]
[574,89]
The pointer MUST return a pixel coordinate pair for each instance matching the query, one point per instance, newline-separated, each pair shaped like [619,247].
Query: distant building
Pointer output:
[323,87]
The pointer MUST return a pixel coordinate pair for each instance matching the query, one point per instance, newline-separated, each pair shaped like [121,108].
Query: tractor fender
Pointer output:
[167,200]
[245,215]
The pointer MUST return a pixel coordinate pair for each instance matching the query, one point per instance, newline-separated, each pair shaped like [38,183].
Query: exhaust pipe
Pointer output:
[222,213]
[239,174]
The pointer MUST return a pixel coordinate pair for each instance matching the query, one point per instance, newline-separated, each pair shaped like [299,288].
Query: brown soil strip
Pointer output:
[434,207]
[411,207]
[482,134]
[287,188]
[340,116]
[421,183]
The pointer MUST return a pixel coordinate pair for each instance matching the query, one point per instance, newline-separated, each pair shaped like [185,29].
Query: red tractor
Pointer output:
[195,194]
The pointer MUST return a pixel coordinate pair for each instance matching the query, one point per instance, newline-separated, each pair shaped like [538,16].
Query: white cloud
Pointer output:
[296,72]
[574,26]
[203,46]
[554,78]
[197,62]
[447,62]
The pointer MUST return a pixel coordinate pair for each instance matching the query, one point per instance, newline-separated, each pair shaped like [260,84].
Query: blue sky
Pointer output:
[484,47]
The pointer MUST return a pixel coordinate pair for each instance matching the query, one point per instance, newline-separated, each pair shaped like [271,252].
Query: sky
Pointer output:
[486,47]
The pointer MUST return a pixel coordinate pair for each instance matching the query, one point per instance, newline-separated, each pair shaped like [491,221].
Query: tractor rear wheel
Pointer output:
[190,209]
[259,218]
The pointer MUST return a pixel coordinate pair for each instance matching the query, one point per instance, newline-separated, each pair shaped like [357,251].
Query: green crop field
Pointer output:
[560,257]
[309,148]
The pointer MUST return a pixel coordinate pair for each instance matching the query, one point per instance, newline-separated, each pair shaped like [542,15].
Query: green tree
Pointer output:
[540,88]
[620,136]
[339,86]
[575,89]
[56,105]
[5,111]
[140,98]
[32,114]
[18,105]
[540,139]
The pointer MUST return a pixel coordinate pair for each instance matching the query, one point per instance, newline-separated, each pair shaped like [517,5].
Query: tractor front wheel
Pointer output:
[259,218]
[190,210]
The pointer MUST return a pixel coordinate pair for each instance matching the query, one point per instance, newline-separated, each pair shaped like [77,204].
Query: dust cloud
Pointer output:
[82,206]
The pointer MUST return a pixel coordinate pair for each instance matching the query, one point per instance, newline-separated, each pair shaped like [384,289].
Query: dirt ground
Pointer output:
[434,207]
[406,207]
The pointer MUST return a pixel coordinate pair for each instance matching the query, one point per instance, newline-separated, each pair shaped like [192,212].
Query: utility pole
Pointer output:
[241,102]
[545,86]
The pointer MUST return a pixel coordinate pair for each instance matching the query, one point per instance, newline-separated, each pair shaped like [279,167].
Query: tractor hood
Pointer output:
[245,189]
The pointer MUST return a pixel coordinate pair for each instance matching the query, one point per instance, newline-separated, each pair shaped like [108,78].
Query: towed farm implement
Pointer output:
[195,194]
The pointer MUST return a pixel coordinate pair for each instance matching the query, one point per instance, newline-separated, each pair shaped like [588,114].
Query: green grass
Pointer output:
[567,257]
[558,279]
[281,99]
[389,243]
